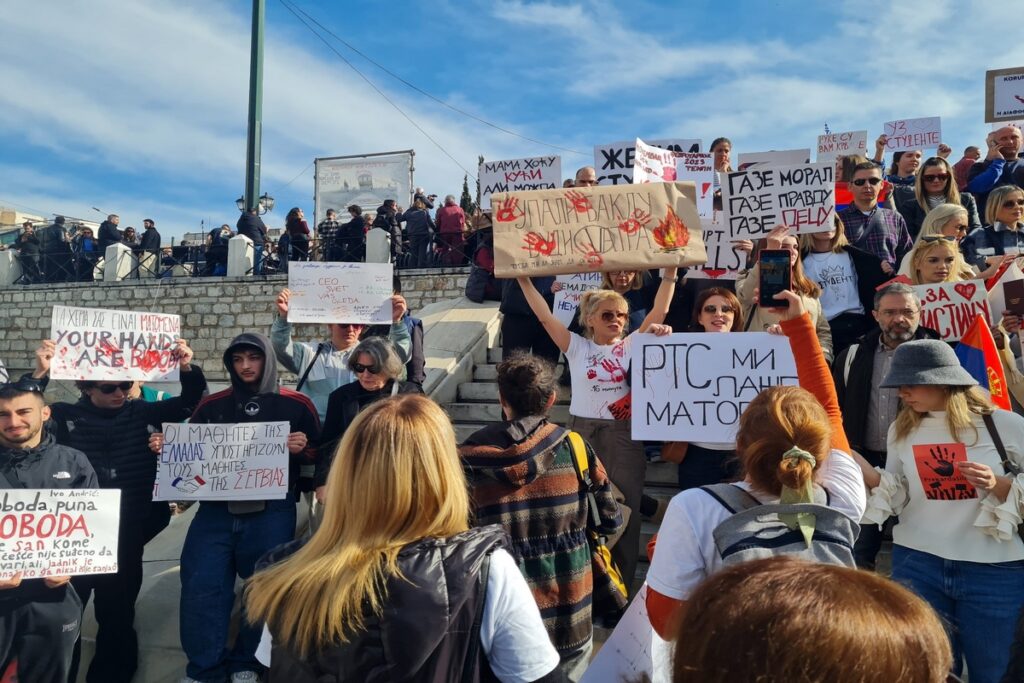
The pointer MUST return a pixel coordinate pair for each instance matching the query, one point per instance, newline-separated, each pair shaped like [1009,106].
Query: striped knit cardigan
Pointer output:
[522,477]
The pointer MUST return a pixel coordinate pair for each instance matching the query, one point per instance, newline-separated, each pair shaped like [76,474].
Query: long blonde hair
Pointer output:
[396,478]
[921,249]
[962,404]
[589,303]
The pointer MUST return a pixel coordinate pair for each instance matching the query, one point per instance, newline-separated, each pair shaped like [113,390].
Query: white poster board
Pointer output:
[534,173]
[694,387]
[109,345]
[700,169]
[614,161]
[724,262]
[950,308]
[653,164]
[904,134]
[784,157]
[366,180]
[832,145]
[58,532]
[567,299]
[246,461]
[802,197]
[1004,94]
[633,652]
[340,292]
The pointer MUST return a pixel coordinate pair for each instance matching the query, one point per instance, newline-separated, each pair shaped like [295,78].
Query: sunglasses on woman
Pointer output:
[111,388]
[932,177]
[1009,204]
[359,368]
[859,182]
[726,310]
[612,316]
[929,239]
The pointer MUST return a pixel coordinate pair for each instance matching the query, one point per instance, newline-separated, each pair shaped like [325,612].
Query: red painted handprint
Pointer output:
[636,220]
[535,242]
[579,202]
[616,373]
[507,210]
[594,260]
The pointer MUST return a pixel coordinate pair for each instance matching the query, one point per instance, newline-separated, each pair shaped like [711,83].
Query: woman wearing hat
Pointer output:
[956,542]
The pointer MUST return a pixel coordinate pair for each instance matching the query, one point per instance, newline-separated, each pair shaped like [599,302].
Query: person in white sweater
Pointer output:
[956,543]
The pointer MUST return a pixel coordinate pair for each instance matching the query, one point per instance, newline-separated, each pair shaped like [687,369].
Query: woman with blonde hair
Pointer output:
[1003,233]
[935,259]
[934,185]
[394,585]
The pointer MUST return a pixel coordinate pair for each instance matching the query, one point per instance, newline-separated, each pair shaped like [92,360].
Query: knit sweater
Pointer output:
[522,478]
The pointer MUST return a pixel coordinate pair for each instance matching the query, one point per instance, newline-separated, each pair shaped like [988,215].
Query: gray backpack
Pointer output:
[755,531]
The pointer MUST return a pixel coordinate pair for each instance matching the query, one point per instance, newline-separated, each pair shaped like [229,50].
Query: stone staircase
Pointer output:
[476,406]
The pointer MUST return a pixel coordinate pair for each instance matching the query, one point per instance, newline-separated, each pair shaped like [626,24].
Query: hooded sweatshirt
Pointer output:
[264,403]
[522,478]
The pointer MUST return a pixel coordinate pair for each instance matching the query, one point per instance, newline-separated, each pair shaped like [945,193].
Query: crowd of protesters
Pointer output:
[430,560]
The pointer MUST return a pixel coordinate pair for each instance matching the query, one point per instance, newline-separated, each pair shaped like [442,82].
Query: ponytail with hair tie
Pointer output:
[797,467]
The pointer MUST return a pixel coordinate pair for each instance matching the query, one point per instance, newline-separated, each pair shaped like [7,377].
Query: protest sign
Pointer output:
[904,134]
[512,175]
[653,164]
[698,168]
[567,299]
[802,197]
[247,461]
[614,161]
[694,387]
[107,345]
[588,229]
[58,532]
[1004,94]
[785,157]
[634,651]
[340,292]
[724,262]
[949,308]
[999,301]
[832,145]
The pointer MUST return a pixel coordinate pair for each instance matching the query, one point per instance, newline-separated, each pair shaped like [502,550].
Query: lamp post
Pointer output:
[263,205]
[255,134]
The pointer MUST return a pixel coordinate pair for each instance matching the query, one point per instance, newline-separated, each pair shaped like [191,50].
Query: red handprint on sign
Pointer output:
[507,210]
[579,202]
[593,259]
[638,219]
[536,242]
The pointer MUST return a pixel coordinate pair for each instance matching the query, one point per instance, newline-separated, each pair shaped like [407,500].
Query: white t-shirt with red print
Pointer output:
[599,378]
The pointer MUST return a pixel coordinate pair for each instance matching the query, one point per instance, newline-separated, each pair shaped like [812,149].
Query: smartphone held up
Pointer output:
[776,276]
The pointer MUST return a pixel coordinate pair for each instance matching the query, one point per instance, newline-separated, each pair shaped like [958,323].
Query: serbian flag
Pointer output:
[978,355]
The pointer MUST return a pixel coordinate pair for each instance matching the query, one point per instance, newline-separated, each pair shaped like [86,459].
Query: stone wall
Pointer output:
[213,310]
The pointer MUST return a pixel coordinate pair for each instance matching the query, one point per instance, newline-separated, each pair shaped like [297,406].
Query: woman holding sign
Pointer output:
[600,407]
[951,478]
[935,259]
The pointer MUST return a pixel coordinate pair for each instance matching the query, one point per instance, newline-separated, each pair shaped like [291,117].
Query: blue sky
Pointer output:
[138,107]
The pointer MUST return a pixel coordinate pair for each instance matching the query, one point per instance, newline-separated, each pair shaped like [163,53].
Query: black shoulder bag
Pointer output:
[1008,467]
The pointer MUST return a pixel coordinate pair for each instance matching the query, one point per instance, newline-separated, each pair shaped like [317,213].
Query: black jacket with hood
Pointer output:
[108,234]
[266,403]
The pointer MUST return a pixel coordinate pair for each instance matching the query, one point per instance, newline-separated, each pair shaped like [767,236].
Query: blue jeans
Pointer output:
[978,604]
[257,259]
[218,547]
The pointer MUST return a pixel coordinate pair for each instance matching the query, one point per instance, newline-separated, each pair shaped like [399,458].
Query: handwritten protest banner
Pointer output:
[1004,94]
[634,651]
[832,145]
[567,299]
[247,461]
[586,229]
[653,164]
[512,175]
[904,134]
[694,387]
[58,532]
[724,262]
[340,292]
[802,197]
[949,308]
[785,157]
[614,161]
[698,168]
[108,345]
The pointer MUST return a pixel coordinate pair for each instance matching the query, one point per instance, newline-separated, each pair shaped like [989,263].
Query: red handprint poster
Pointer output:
[939,474]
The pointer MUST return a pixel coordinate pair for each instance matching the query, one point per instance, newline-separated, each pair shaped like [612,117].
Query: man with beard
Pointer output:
[868,409]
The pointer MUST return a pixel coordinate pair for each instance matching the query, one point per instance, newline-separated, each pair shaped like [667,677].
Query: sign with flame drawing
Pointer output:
[588,229]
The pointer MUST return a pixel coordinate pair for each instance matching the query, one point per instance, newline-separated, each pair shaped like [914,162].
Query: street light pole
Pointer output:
[254,139]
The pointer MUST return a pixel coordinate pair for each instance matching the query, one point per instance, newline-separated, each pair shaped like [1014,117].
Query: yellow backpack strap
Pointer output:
[579,457]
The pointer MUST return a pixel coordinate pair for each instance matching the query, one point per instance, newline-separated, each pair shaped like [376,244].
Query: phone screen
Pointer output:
[776,276]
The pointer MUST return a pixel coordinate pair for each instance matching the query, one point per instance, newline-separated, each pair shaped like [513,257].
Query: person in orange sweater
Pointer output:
[780,418]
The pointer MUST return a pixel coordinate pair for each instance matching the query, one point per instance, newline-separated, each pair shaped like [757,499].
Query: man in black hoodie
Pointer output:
[109,233]
[226,538]
[387,220]
[39,618]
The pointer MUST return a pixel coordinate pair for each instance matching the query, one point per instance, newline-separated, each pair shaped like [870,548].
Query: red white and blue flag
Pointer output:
[979,356]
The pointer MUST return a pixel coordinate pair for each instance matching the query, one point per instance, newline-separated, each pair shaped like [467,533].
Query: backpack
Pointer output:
[754,530]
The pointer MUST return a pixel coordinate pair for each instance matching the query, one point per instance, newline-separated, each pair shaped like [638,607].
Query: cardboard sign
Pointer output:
[567,299]
[904,134]
[58,532]
[653,164]
[247,461]
[694,387]
[634,651]
[589,229]
[700,169]
[937,469]
[949,308]
[513,175]
[724,262]
[614,161]
[832,145]
[107,345]
[1004,94]
[340,292]
[786,157]
[802,197]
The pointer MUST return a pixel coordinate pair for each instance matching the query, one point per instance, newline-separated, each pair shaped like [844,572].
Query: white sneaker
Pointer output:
[245,677]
